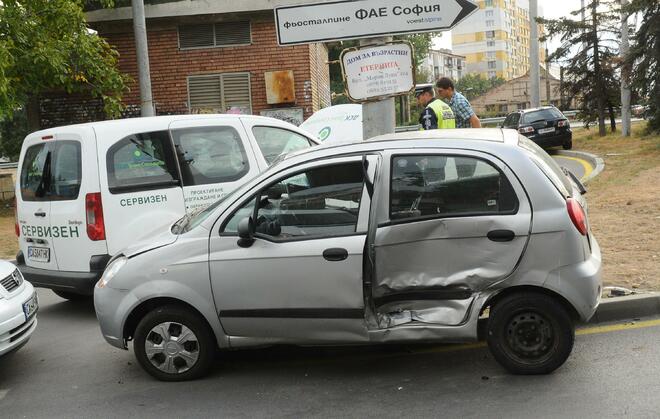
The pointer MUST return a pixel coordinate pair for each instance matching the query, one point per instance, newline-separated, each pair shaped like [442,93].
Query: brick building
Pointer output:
[219,56]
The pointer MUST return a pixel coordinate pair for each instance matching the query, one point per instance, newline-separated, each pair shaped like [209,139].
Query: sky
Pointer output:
[552,9]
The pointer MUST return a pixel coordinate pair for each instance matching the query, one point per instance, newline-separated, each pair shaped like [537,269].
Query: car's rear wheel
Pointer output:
[530,333]
[72,296]
[174,344]
[568,145]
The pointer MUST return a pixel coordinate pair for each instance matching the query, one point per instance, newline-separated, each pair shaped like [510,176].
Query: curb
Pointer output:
[597,162]
[627,308]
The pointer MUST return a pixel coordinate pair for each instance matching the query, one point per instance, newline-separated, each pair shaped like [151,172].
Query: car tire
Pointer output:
[72,296]
[163,355]
[530,333]
[568,145]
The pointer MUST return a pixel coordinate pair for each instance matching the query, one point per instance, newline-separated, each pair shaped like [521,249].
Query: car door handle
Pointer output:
[39,214]
[335,254]
[501,235]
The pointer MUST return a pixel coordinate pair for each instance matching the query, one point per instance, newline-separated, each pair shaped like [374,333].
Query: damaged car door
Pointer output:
[451,225]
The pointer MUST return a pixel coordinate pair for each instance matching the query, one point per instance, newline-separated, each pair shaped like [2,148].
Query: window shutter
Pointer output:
[196,36]
[232,33]
[205,92]
[236,91]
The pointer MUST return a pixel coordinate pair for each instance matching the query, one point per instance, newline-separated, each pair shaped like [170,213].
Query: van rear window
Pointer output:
[141,162]
[51,172]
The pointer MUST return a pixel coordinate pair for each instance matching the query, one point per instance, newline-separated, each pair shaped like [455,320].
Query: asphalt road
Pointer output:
[579,167]
[67,370]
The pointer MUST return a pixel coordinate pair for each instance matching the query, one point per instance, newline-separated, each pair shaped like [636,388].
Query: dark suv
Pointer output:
[546,126]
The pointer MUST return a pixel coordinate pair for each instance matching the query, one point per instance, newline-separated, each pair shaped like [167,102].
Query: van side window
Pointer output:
[433,186]
[51,172]
[275,141]
[210,155]
[141,162]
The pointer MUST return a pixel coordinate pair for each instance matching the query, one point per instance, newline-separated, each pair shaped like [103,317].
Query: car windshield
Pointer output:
[192,220]
[542,115]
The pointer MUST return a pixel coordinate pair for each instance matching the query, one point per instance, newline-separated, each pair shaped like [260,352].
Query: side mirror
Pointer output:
[246,232]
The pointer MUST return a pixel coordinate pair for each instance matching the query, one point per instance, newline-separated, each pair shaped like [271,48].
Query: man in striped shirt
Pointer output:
[465,116]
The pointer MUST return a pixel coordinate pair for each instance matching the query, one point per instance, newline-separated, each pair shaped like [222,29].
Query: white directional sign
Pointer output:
[378,72]
[353,19]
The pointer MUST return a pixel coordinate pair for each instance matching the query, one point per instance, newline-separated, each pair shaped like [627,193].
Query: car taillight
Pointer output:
[576,212]
[525,130]
[94,211]
[17,229]
[562,123]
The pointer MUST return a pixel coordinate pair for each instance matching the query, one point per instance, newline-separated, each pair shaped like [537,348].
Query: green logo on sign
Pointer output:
[137,153]
[324,133]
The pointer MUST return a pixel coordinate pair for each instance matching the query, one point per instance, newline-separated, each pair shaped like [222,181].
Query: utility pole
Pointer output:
[142,52]
[535,81]
[625,73]
[547,76]
[378,117]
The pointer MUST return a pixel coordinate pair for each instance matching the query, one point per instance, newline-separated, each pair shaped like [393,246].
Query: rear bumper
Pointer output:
[75,282]
[554,140]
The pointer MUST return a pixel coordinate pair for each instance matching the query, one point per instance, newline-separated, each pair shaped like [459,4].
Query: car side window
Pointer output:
[317,203]
[431,186]
[210,155]
[141,162]
[275,141]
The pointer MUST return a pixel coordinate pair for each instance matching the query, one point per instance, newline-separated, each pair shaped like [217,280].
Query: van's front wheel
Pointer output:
[530,333]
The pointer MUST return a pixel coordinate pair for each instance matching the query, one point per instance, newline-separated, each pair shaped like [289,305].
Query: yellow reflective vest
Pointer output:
[444,114]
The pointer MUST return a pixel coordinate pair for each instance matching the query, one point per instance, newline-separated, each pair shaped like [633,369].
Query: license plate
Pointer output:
[546,130]
[31,306]
[39,254]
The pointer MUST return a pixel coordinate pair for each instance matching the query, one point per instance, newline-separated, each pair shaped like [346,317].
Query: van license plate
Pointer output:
[546,130]
[39,254]
[31,306]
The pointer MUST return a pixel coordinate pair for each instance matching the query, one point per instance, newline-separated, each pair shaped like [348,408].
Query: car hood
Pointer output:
[160,237]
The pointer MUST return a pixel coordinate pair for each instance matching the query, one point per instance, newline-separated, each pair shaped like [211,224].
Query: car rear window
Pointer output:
[210,155]
[542,114]
[275,141]
[51,172]
[547,165]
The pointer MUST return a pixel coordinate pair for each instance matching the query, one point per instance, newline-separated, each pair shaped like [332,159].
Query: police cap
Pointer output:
[423,88]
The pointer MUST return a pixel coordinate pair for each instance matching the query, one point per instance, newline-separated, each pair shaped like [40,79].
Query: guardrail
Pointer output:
[9,165]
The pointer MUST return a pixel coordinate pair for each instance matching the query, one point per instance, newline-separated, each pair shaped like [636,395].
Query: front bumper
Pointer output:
[15,330]
[110,306]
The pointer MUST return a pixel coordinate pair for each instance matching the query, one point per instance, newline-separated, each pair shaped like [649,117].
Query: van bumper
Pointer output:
[75,282]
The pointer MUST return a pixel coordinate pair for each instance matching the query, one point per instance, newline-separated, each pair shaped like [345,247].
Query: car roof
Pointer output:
[467,138]
[540,108]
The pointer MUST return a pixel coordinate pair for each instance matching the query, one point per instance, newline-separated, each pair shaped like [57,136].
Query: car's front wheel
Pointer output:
[530,333]
[174,344]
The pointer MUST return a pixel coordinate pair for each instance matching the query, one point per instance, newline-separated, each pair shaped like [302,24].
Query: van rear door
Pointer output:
[215,157]
[73,179]
[141,187]
[33,202]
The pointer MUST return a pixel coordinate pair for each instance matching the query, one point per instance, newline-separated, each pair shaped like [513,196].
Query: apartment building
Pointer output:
[495,40]
[443,63]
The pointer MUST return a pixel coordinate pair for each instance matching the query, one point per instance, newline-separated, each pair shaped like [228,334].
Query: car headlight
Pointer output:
[111,270]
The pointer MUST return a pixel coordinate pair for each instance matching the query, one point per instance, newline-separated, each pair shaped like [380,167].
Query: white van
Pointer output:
[86,191]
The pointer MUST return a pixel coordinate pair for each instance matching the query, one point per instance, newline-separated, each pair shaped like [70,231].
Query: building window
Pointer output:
[490,43]
[488,3]
[490,34]
[492,64]
[220,93]
[489,13]
[490,55]
[221,34]
[490,23]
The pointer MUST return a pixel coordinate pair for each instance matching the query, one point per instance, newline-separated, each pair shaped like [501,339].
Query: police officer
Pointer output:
[436,114]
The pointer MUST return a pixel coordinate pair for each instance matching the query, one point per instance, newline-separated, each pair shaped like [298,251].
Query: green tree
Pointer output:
[46,46]
[588,54]
[474,85]
[644,57]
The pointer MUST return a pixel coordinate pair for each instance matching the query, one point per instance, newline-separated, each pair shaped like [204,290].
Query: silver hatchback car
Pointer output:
[403,238]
